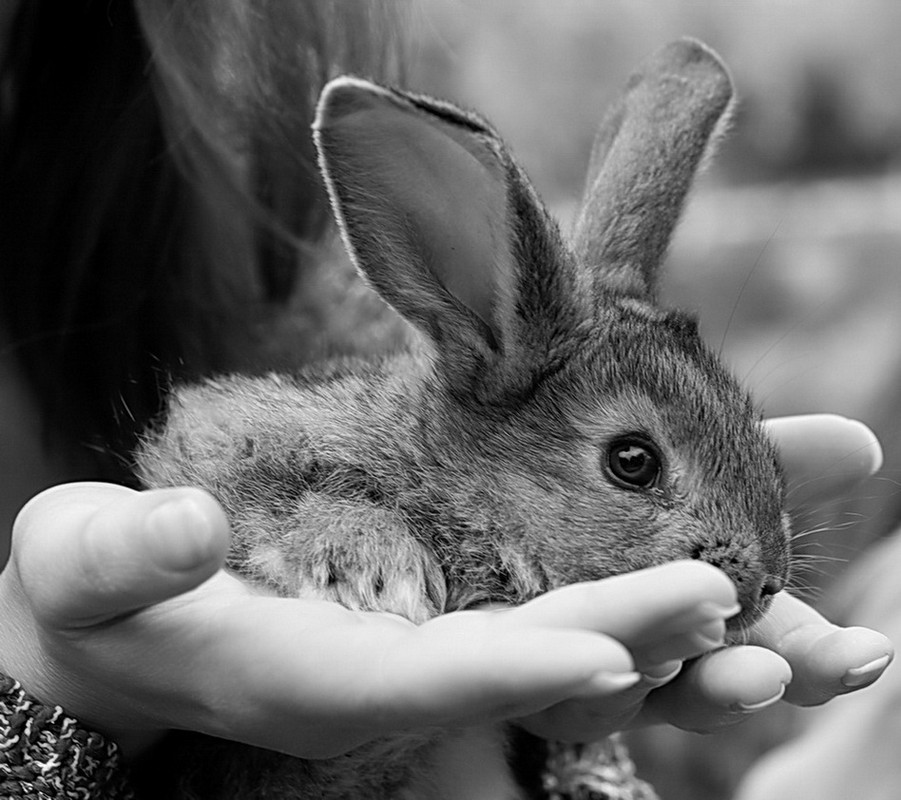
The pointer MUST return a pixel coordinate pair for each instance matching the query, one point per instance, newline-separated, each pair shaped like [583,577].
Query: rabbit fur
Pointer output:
[490,460]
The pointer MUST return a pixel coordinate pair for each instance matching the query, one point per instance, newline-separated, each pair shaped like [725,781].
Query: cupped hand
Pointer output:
[114,605]
[793,653]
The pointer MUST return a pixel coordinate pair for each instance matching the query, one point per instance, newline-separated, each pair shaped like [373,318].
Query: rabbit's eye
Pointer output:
[633,463]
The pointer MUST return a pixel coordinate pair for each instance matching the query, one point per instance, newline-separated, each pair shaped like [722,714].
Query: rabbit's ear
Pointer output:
[645,156]
[420,192]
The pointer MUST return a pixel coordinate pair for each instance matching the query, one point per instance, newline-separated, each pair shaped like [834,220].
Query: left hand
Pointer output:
[793,653]
[114,605]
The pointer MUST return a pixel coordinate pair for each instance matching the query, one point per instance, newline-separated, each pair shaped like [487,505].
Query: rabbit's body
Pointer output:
[549,424]
[381,491]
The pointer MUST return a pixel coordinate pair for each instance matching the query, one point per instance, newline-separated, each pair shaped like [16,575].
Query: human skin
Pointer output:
[115,606]
[847,749]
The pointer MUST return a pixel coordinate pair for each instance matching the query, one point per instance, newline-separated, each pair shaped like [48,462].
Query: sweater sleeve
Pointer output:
[47,755]
[601,770]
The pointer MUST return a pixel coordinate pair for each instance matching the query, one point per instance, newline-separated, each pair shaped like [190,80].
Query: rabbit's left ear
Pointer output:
[645,156]
[421,193]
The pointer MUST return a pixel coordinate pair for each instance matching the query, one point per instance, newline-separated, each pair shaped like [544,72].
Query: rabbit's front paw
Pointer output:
[354,553]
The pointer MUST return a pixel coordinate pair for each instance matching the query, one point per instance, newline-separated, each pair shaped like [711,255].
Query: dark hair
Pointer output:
[159,189]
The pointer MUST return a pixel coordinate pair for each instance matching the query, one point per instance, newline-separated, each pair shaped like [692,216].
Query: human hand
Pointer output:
[114,606]
[793,652]
[847,749]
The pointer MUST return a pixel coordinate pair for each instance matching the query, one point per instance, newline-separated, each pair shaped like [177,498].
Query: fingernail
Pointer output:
[612,682]
[763,703]
[662,673]
[861,676]
[181,533]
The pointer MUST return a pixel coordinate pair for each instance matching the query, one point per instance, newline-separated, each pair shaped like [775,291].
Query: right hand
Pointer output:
[793,652]
[114,605]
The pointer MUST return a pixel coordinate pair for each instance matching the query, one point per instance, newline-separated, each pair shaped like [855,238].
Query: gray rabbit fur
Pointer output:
[549,423]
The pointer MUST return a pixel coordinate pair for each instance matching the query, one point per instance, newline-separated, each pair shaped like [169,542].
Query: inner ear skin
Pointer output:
[422,201]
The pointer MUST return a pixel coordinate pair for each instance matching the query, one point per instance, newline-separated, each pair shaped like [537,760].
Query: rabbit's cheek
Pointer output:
[596,537]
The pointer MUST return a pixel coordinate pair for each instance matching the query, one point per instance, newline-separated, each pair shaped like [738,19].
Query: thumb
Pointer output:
[89,552]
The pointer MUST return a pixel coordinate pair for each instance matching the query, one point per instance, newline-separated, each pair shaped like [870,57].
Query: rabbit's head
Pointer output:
[547,365]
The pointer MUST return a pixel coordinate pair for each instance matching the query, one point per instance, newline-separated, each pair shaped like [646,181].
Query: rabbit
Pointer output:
[548,423]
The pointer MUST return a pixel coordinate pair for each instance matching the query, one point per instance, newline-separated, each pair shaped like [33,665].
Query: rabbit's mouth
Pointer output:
[738,628]
[759,568]
[755,599]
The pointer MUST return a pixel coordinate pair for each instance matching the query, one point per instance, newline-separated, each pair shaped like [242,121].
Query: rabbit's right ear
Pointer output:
[420,192]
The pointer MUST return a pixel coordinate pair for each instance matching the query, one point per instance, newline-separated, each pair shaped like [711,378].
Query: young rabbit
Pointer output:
[548,424]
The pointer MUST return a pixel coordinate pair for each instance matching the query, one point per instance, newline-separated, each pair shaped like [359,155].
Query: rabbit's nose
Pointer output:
[772,584]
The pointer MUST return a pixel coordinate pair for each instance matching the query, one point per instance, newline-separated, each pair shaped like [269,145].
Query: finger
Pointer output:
[352,676]
[824,455]
[501,670]
[664,613]
[588,717]
[826,660]
[720,689]
[90,551]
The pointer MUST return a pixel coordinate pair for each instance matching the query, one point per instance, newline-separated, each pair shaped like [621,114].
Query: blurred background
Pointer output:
[790,250]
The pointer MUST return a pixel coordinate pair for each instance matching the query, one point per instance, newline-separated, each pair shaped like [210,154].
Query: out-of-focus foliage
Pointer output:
[818,80]
[790,251]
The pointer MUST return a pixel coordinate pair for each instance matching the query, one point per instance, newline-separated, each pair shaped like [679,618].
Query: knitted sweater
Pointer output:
[46,755]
